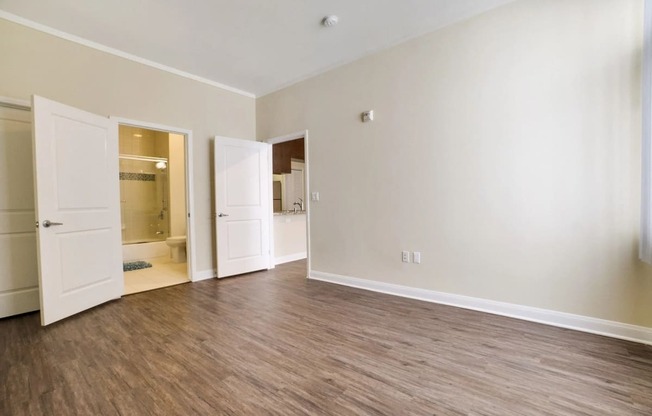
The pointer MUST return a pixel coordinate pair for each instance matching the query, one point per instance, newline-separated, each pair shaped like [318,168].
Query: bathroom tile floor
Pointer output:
[163,273]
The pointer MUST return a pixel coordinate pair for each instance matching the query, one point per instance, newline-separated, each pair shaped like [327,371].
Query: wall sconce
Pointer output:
[367,116]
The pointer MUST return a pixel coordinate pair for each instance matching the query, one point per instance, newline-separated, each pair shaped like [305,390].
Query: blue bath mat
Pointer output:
[135,265]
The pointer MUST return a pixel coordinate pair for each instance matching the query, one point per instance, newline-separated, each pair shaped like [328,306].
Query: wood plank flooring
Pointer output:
[274,343]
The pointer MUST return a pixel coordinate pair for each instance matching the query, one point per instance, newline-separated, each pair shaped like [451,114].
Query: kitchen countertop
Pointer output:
[289,213]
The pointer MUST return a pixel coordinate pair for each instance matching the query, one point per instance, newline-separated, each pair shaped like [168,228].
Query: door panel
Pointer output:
[242,197]
[243,175]
[244,238]
[75,139]
[18,269]
[83,253]
[76,165]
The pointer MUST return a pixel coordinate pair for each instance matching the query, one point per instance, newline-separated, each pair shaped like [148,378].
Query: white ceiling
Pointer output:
[257,46]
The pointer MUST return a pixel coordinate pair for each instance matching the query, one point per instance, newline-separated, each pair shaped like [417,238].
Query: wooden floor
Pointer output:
[275,343]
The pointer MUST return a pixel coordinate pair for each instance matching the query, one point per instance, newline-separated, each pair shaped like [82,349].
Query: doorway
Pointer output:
[290,195]
[153,208]
[69,223]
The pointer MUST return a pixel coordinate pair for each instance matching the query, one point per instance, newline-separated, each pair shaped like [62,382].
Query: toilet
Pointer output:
[177,248]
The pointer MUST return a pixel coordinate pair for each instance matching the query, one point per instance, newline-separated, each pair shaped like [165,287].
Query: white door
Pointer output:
[242,184]
[18,270]
[77,207]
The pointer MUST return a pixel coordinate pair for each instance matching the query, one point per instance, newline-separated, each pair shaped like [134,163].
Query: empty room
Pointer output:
[424,207]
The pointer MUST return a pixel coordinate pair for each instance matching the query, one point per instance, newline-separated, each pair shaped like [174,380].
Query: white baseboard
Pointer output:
[544,316]
[19,301]
[290,257]
[204,275]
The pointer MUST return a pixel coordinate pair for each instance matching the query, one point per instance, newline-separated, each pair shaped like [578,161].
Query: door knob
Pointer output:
[222,215]
[48,223]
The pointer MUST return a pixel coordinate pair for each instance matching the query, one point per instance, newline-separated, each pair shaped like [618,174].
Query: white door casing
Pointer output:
[76,184]
[18,270]
[242,186]
[307,192]
[193,274]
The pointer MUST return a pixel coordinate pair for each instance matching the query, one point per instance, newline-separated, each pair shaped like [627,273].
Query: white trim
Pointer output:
[302,134]
[116,52]
[190,188]
[645,245]
[14,102]
[149,125]
[290,257]
[205,275]
[544,316]
[270,172]
[15,302]
[288,137]
[308,208]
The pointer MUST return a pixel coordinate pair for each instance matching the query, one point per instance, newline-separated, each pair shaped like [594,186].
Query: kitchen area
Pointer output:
[289,196]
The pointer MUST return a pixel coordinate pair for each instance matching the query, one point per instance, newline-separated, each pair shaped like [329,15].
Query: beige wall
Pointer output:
[37,63]
[177,178]
[506,149]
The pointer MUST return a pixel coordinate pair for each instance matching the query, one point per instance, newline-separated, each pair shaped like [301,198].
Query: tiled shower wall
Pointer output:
[144,203]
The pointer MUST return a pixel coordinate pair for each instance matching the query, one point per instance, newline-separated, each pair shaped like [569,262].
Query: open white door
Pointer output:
[242,185]
[77,209]
[18,271]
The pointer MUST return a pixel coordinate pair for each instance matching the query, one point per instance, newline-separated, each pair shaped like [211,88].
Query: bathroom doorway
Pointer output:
[153,207]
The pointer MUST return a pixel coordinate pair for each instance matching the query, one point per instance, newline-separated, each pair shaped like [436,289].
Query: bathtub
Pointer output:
[144,250]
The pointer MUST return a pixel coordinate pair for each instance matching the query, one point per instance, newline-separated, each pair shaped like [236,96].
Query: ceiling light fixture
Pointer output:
[330,20]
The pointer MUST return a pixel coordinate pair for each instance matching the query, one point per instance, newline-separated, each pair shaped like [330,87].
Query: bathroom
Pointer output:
[153,208]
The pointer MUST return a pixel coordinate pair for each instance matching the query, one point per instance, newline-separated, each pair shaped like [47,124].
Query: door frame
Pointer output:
[302,134]
[193,275]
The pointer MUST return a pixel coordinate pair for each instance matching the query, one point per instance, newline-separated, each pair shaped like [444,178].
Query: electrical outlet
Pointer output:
[406,256]
[416,256]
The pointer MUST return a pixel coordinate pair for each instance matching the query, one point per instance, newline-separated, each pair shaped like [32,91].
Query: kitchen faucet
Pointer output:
[300,204]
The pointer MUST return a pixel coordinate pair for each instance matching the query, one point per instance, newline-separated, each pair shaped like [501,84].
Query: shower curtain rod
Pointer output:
[143,158]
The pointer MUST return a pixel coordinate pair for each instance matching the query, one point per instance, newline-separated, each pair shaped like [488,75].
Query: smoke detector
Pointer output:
[330,20]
